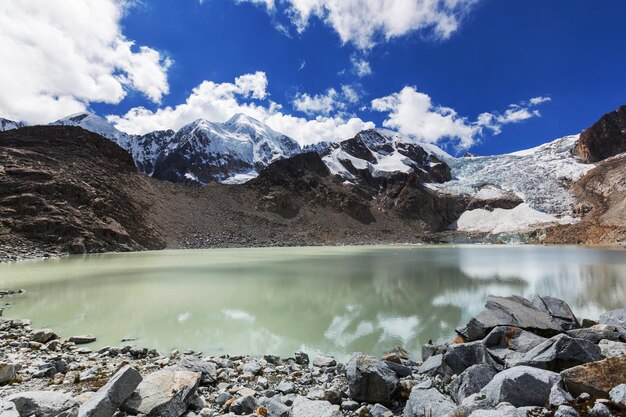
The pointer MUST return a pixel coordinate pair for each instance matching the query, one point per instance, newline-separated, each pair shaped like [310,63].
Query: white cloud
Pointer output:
[364,22]
[58,56]
[361,67]
[539,100]
[219,101]
[327,103]
[413,113]
[317,104]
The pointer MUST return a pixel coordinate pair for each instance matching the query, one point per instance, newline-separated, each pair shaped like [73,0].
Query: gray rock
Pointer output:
[615,318]
[43,336]
[459,357]
[7,409]
[558,310]
[223,398]
[82,339]
[106,401]
[164,393]
[612,349]
[471,381]
[252,367]
[400,370]
[349,405]
[427,402]
[506,343]
[303,407]
[206,368]
[618,395]
[44,404]
[596,333]
[560,352]
[558,396]
[380,411]
[370,380]
[285,387]
[510,311]
[566,411]
[324,361]
[275,408]
[521,386]
[301,358]
[7,372]
[502,411]
[600,410]
[244,405]
[432,365]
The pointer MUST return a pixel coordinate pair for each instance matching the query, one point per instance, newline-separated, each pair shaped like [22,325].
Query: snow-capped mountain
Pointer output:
[383,153]
[230,152]
[6,124]
[145,149]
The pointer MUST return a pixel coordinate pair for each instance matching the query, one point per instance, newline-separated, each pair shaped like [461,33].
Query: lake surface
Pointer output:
[280,300]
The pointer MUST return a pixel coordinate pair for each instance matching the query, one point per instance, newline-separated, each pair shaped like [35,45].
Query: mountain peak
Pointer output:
[240,118]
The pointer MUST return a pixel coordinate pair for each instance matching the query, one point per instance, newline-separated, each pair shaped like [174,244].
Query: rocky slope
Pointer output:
[606,138]
[6,124]
[64,189]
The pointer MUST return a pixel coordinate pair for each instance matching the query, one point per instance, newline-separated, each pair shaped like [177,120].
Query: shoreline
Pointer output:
[454,379]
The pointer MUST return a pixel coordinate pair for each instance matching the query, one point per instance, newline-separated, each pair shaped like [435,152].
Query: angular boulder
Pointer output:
[521,386]
[595,378]
[303,407]
[558,310]
[106,401]
[432,365]
[459,357]
[7,409]
[370,379]
[427,401]
[7,372]
[566,411]
[510,311]
[612,349]
[506,343]
[614,317]
[164,393]
[597,333]
[471,381]
[193,364]
[618,395]
[44,404]
[560,352]
[43,336]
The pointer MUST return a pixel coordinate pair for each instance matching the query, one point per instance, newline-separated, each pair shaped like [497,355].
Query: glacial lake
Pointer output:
[335,300]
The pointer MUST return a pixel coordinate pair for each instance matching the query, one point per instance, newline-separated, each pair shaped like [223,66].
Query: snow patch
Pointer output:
[520,218]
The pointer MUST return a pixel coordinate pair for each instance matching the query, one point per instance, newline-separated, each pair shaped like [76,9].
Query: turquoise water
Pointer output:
[278,300]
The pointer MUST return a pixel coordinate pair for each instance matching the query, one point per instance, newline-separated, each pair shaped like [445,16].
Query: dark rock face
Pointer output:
[606,138]
[471,381]
[370,379]
[74,191]
[560,352]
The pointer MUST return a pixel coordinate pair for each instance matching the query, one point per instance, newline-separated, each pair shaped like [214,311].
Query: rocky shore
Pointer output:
[516,358]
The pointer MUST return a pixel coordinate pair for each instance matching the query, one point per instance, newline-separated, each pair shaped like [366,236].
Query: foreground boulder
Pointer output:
[44,404]
[596,378]
[106,401]
[558,310]
[303,407]
[427,401]
[510,311]
[370,380]
[559,353]
[505,344]
[207,369]
[615,317]
[459,357]
[521,386]
[7,409]
[471,381]
[164,393]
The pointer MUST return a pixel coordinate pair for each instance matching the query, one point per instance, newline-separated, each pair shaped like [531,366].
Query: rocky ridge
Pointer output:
[516,358]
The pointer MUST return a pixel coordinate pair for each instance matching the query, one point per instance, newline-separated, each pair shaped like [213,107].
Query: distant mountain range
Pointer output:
[510,193]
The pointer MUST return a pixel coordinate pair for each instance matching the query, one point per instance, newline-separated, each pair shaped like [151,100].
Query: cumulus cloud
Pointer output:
[364,22]
[413,113]
[219,101]
[58,56]
[327,103]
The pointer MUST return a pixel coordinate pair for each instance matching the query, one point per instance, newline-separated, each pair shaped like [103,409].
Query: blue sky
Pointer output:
[498,53]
